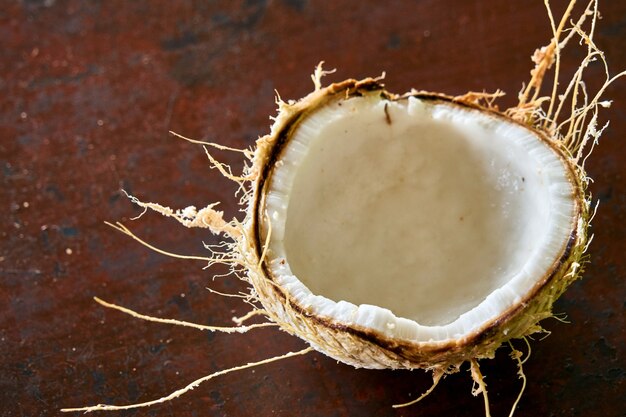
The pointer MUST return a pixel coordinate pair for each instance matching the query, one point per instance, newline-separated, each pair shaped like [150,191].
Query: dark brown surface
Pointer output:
[88,92]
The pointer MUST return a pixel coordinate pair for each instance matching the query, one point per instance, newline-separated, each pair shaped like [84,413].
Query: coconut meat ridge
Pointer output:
[422,220]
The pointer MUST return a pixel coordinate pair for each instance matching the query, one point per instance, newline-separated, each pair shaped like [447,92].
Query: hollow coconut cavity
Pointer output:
[416,230]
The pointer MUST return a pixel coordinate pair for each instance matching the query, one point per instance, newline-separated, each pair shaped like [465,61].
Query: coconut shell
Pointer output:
[367,348]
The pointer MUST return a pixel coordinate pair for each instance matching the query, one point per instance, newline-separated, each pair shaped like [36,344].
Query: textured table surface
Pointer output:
[88,93]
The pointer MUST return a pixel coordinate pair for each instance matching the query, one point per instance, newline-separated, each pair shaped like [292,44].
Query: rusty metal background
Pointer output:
[88,93]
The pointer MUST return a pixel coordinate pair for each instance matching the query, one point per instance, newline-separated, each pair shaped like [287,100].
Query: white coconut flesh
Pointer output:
[419,219]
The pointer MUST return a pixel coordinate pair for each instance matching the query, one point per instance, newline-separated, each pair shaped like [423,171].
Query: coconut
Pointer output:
[409,231]
[415,230]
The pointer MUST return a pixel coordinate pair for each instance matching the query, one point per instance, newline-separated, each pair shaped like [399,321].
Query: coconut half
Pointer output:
[410,231]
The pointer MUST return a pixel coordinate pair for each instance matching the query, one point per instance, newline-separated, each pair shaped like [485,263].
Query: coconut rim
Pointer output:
[279,138]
